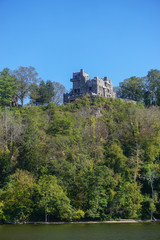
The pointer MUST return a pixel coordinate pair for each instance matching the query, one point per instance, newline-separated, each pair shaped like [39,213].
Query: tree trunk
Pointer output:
[152,200]
[22,102]
[45,216]
[6,125]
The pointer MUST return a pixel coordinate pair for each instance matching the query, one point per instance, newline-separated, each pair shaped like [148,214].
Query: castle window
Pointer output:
[77,90]
[90,88]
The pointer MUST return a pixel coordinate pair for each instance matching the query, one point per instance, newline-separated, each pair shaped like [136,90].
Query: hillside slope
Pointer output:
[91,159]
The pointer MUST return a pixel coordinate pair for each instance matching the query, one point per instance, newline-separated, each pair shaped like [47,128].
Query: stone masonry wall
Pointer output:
[83,85]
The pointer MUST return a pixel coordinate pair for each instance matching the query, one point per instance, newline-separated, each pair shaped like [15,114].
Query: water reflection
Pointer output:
[131,231]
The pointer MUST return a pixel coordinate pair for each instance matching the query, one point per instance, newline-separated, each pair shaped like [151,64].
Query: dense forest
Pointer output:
[93,159]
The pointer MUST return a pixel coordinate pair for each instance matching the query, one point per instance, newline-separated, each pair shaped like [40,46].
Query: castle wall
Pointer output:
[83,85]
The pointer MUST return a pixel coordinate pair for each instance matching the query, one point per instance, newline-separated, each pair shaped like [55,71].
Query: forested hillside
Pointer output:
[88,160]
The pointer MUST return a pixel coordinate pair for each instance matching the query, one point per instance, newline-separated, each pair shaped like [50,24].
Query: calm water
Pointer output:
[140,231]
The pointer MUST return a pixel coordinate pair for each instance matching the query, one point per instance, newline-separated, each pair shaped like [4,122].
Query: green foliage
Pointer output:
[93,159]
[42,94]
[2,215]
[153,87]
[145,89]
[23,83]
[129,200]
[78,214]
[52,198]
[60,124]
[132,88]
[100,193]
[17,196]
[116,160]
[8,87]
[4,164]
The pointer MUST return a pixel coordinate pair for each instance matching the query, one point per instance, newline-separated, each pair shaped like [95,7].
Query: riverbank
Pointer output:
[89,222]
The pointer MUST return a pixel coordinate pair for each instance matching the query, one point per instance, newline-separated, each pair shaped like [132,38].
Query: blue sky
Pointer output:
[114,38]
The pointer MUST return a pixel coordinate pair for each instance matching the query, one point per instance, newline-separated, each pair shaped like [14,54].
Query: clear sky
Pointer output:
[114,38]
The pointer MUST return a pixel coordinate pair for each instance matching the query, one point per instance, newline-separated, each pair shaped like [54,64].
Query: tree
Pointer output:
[116,90]
[116,160]
[2,216]
[43,93]
[46,92]
[132,88]
[100,192]
[17,196]
[152,96]
[128,200]
[52,198]
[8,87]
[34,93]
[26,76]
[59,90]
[151,175]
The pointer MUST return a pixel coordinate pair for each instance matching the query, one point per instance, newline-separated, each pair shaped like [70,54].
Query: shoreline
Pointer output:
[87,222]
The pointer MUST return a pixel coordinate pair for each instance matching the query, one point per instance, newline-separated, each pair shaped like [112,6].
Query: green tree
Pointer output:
[17,196]
[34,93]
[42,94]
[5,164]
[100,193]
[152,79]
[46,92]
[2,216]
[151,174]
[93,191]
[8,87]
[116,160]
[61,124]
[132,88]
[52,200]
[128,200]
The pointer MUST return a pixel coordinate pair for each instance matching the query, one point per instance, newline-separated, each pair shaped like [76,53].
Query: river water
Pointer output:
[102,231]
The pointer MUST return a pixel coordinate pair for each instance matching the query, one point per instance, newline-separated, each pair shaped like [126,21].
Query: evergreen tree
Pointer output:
[42,94]
[8,87]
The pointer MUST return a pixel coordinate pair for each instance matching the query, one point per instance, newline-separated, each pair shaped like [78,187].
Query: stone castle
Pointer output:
[82,85]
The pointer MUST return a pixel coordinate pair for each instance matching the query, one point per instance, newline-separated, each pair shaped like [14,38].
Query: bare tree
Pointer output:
[59,90]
